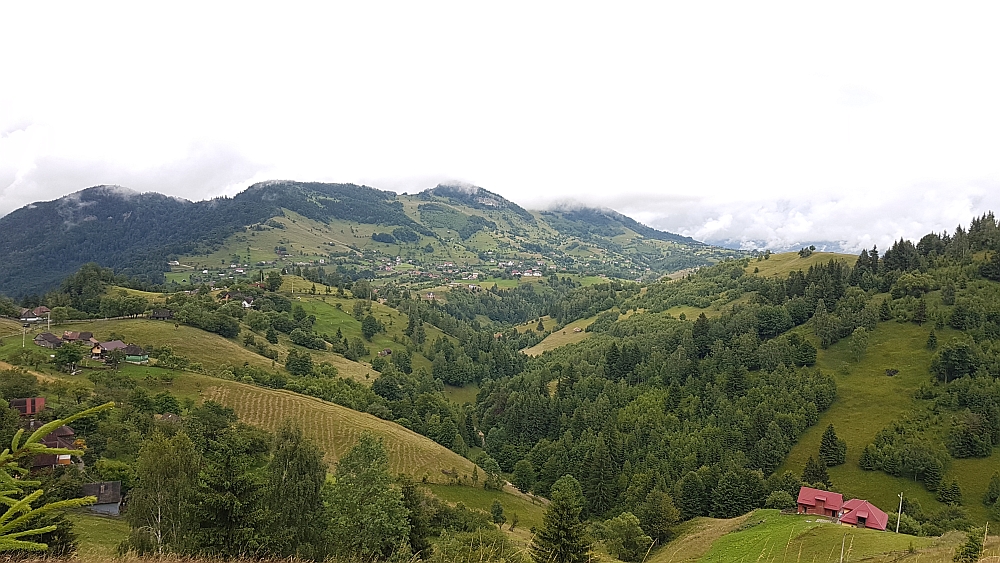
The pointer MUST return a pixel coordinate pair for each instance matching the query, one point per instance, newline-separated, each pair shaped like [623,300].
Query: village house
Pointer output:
[48,340]
[62,437]
[109,497]
[34,315]
[135,355]
[162,315]
[78,337]
[863,514]
[101,350]
[821,503]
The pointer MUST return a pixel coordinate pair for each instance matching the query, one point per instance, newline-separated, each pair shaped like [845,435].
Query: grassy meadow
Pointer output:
[562,337]
[785,262]
[867,401]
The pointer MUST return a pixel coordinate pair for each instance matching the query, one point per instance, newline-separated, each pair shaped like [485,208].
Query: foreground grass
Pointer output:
[99,535]
[767,535]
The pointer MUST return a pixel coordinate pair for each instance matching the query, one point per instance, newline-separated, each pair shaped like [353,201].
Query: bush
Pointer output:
[780,500]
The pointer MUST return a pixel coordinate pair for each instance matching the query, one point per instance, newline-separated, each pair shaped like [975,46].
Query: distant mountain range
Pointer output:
[136,234]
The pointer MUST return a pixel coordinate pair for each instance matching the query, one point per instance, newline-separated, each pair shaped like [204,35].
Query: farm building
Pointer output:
[34,315]
[48,340]
[822,503]
[863,514]
[74,337]
[29,406]
[109,497]
[162,315]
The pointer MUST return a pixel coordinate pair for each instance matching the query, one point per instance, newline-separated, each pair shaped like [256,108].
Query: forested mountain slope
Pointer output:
[360,228]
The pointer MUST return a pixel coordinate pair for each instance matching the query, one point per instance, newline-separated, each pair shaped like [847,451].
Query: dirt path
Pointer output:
[40,376]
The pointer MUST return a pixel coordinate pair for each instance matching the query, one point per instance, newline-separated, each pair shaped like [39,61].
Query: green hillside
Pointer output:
[766,535]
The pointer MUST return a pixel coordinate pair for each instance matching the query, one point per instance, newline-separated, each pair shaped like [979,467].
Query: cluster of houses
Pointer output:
[108,493]
[98,350]
[855,512]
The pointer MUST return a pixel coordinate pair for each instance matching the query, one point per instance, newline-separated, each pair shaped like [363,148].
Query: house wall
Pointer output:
[111,508]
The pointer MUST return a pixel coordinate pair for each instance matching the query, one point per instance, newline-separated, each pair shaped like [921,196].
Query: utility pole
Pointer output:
[899,513]
[49,321]
[24,330]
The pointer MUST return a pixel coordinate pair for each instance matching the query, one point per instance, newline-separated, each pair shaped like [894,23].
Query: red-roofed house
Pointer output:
[823,503]
[864,514]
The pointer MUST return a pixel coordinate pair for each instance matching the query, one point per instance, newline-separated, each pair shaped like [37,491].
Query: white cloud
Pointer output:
[770,123]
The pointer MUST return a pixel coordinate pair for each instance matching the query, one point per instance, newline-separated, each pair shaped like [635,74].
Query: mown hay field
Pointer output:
[336,429]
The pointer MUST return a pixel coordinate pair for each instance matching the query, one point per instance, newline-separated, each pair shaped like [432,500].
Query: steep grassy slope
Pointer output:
[781,264]
[336,429]
[562,337]
[767,535]
[868,400]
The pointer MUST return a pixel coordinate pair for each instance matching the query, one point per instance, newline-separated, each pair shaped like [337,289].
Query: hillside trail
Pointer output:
[4,366]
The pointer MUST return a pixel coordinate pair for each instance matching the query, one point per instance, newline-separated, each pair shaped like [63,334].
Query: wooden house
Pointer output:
[863,514]
[162,315]
[821,503]
[101,350]
[135,355]
[109,497]
[48,340]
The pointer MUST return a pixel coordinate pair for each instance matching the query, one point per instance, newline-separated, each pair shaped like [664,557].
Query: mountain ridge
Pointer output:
[136,233]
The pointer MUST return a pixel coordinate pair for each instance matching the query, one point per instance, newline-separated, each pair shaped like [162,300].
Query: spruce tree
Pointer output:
[932,341]
[815,473]
[563,535]
[920,315]
[832,450]
[993,490]
[690,495]
[972,549]
[868,462]
[602,479]
[729,499]
[295,478]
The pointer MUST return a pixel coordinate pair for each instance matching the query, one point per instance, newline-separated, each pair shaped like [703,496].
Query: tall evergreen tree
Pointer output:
[832,450]
[815,473]
[230,516]
[295,477]
[690,495]
[602,479]
[563,535]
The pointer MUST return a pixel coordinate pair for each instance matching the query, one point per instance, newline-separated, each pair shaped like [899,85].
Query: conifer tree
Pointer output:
[295,478]
[920,315]
[690,495]
[972,549]
[932,340]
[815,473]
[832,450]
[868,461]
[992,490]
[602,479]
[563,535]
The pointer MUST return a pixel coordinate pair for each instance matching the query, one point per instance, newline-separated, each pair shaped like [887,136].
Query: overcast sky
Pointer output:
[762,124]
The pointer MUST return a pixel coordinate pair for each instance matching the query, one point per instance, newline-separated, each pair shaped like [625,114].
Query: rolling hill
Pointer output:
[356,230]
